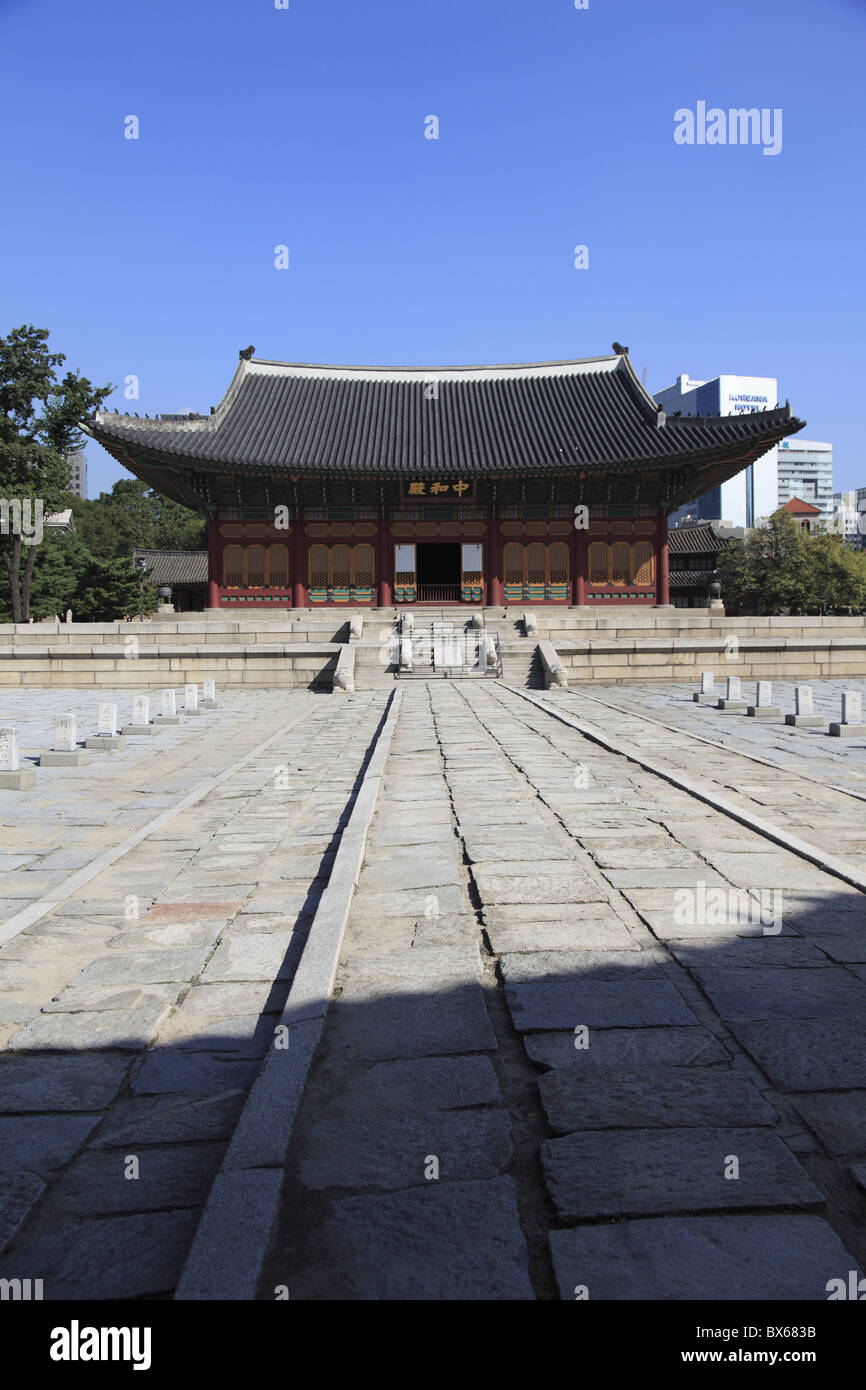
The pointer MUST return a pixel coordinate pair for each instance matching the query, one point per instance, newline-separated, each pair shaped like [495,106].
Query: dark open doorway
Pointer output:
[439,572]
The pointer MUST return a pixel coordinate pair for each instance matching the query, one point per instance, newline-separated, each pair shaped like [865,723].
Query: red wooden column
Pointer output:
[299,565]
[384,565]
[579,554]
[214,563]
[663,586]
[493,554]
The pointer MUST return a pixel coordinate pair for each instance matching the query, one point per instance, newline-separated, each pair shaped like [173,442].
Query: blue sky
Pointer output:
[305,127]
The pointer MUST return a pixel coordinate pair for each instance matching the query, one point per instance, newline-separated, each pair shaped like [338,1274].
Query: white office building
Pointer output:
[78,473]
[806,471]
[752,494]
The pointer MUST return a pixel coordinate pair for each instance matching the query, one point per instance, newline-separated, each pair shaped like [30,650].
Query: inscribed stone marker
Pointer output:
[64,733]
[107,725]
[8,750]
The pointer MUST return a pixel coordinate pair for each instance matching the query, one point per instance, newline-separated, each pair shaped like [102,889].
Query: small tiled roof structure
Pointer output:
[797,507]
[583,418]
[694,540]
[173,566]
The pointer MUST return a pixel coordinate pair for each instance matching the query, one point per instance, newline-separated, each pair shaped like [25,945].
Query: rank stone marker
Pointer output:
[12,777]
[106,729]
[733,697]
[190,699]
[140,718]
[65,752]
[764,707]
[208,694]
[851,725]
[804,716]
[708,688]
[168,709]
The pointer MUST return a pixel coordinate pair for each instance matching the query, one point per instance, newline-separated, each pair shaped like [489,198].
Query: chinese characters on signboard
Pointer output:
[428,489]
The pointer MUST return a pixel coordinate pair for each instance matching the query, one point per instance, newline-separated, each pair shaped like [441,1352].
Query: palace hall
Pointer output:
[546,482]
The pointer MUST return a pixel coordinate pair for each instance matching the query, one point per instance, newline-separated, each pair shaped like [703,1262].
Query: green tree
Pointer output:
[131,515]
[780,568]
[40,418]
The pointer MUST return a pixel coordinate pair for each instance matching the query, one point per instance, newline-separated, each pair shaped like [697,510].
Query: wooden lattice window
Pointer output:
[536,555]
[362,561]
[557,563]
[255,558]
[620,563]
[318,566]
[513,563]
[278,566]
[233,567]
[598,558]
[340,566]
[642,563]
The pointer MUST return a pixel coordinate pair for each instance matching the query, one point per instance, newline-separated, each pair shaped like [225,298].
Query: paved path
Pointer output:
[528,1044]
[588,1035]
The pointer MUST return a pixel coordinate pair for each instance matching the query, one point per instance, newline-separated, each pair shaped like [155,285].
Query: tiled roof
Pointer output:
[174,566]
[540,417]
[695,540]
[691,579]
[798,507]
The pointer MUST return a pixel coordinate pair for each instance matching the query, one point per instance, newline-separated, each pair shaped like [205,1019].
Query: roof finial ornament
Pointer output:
[246,353]
[620,350]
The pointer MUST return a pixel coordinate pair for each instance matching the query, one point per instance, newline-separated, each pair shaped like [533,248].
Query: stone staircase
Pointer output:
[447,649]
[521,665]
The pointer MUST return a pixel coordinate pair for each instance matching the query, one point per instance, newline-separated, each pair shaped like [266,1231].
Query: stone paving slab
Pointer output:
[584,966]
[19,1193]
[34,1084]
[557,1004]
[807,1054]
[383,1152]
[779,992]
[629,1052]
[414,1026]
[665,1097]
[838,1118]
[255,956]
[642,1172]
[743,1257]
[128,1030]
[172,1177]
[168,1119]
[594,934]
[459,1241]
[116,1258]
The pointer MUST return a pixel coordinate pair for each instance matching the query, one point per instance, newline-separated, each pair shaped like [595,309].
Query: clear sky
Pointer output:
[305,127]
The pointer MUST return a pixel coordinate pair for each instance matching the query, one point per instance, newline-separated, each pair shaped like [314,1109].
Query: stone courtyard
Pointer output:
[448,991]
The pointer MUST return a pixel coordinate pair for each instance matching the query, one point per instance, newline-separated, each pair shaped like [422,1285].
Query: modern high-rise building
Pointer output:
[753,492]
[78,473]
[806,471]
